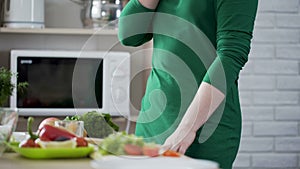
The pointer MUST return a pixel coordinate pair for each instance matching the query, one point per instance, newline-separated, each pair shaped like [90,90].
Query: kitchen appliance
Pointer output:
[71,82]
[23,13]
[99,13]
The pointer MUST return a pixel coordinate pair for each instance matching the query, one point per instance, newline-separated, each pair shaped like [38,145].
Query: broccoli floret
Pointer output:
[98,125]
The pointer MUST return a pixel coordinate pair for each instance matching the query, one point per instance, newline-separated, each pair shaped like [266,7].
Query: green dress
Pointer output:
[194,41]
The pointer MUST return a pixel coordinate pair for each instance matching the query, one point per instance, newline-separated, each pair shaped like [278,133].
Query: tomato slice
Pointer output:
[171,153]
[81,142]
[133,149]
[151,151]
[29,143]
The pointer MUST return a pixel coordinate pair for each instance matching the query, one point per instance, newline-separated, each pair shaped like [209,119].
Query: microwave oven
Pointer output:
[64,83]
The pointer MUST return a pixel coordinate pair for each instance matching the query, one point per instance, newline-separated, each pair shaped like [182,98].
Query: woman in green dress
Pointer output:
[191,104]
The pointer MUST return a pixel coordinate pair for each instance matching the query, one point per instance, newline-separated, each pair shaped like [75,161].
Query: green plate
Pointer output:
[40,153]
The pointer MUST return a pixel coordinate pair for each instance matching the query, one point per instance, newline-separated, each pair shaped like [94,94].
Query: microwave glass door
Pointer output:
[51,82]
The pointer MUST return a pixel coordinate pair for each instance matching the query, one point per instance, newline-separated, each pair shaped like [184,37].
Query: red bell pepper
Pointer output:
[52,133]
[171,153]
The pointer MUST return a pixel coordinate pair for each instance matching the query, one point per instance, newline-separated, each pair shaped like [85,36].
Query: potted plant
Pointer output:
[6,86]
[8,117]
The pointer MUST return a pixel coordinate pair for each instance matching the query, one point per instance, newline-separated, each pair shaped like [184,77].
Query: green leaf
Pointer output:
[6,87]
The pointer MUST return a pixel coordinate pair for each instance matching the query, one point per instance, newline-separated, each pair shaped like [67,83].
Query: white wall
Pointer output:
[270,90]
[62,14]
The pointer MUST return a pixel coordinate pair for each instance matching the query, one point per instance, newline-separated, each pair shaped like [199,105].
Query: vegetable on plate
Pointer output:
[31,141]
[171,153]
[52,137]
[52,133]
[49,121]
[98,125]
[121,143]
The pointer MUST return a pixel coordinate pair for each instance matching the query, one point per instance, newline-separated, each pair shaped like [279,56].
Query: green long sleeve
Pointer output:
[234,26]
[235,20]
[135,30]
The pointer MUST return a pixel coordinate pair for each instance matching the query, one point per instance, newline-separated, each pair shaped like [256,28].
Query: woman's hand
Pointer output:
[205,102]
[151,4]
[180,140]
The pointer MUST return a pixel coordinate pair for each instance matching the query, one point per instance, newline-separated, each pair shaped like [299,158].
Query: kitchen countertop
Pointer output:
[15,161]
[12,160]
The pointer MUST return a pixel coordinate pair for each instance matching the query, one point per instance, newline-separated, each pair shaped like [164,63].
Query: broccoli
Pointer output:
[98,125]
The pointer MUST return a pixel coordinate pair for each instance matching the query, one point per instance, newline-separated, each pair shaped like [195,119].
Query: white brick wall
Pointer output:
[258,144]
[287,144]
[272,160]
[289,113]
[280,67]
[275,128]
[288,52]
[258,113]
[275,97]
[278,6]
[270,90]
[247,129]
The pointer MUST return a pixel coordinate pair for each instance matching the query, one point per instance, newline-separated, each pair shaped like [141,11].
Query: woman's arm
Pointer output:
[151,4]
[135,22]
[205,102]
[235,20]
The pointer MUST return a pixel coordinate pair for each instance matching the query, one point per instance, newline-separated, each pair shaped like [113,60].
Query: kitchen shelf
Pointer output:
[60,31]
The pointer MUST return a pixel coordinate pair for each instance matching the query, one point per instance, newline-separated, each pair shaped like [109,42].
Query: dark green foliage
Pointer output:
[6,87]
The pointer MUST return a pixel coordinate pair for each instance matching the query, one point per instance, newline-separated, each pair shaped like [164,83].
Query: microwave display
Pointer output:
[52,85]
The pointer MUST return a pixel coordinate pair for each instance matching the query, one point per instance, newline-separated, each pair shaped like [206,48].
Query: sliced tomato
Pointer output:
[171,153]
[133,149]
[29,143]
[81,142]
[150,151]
